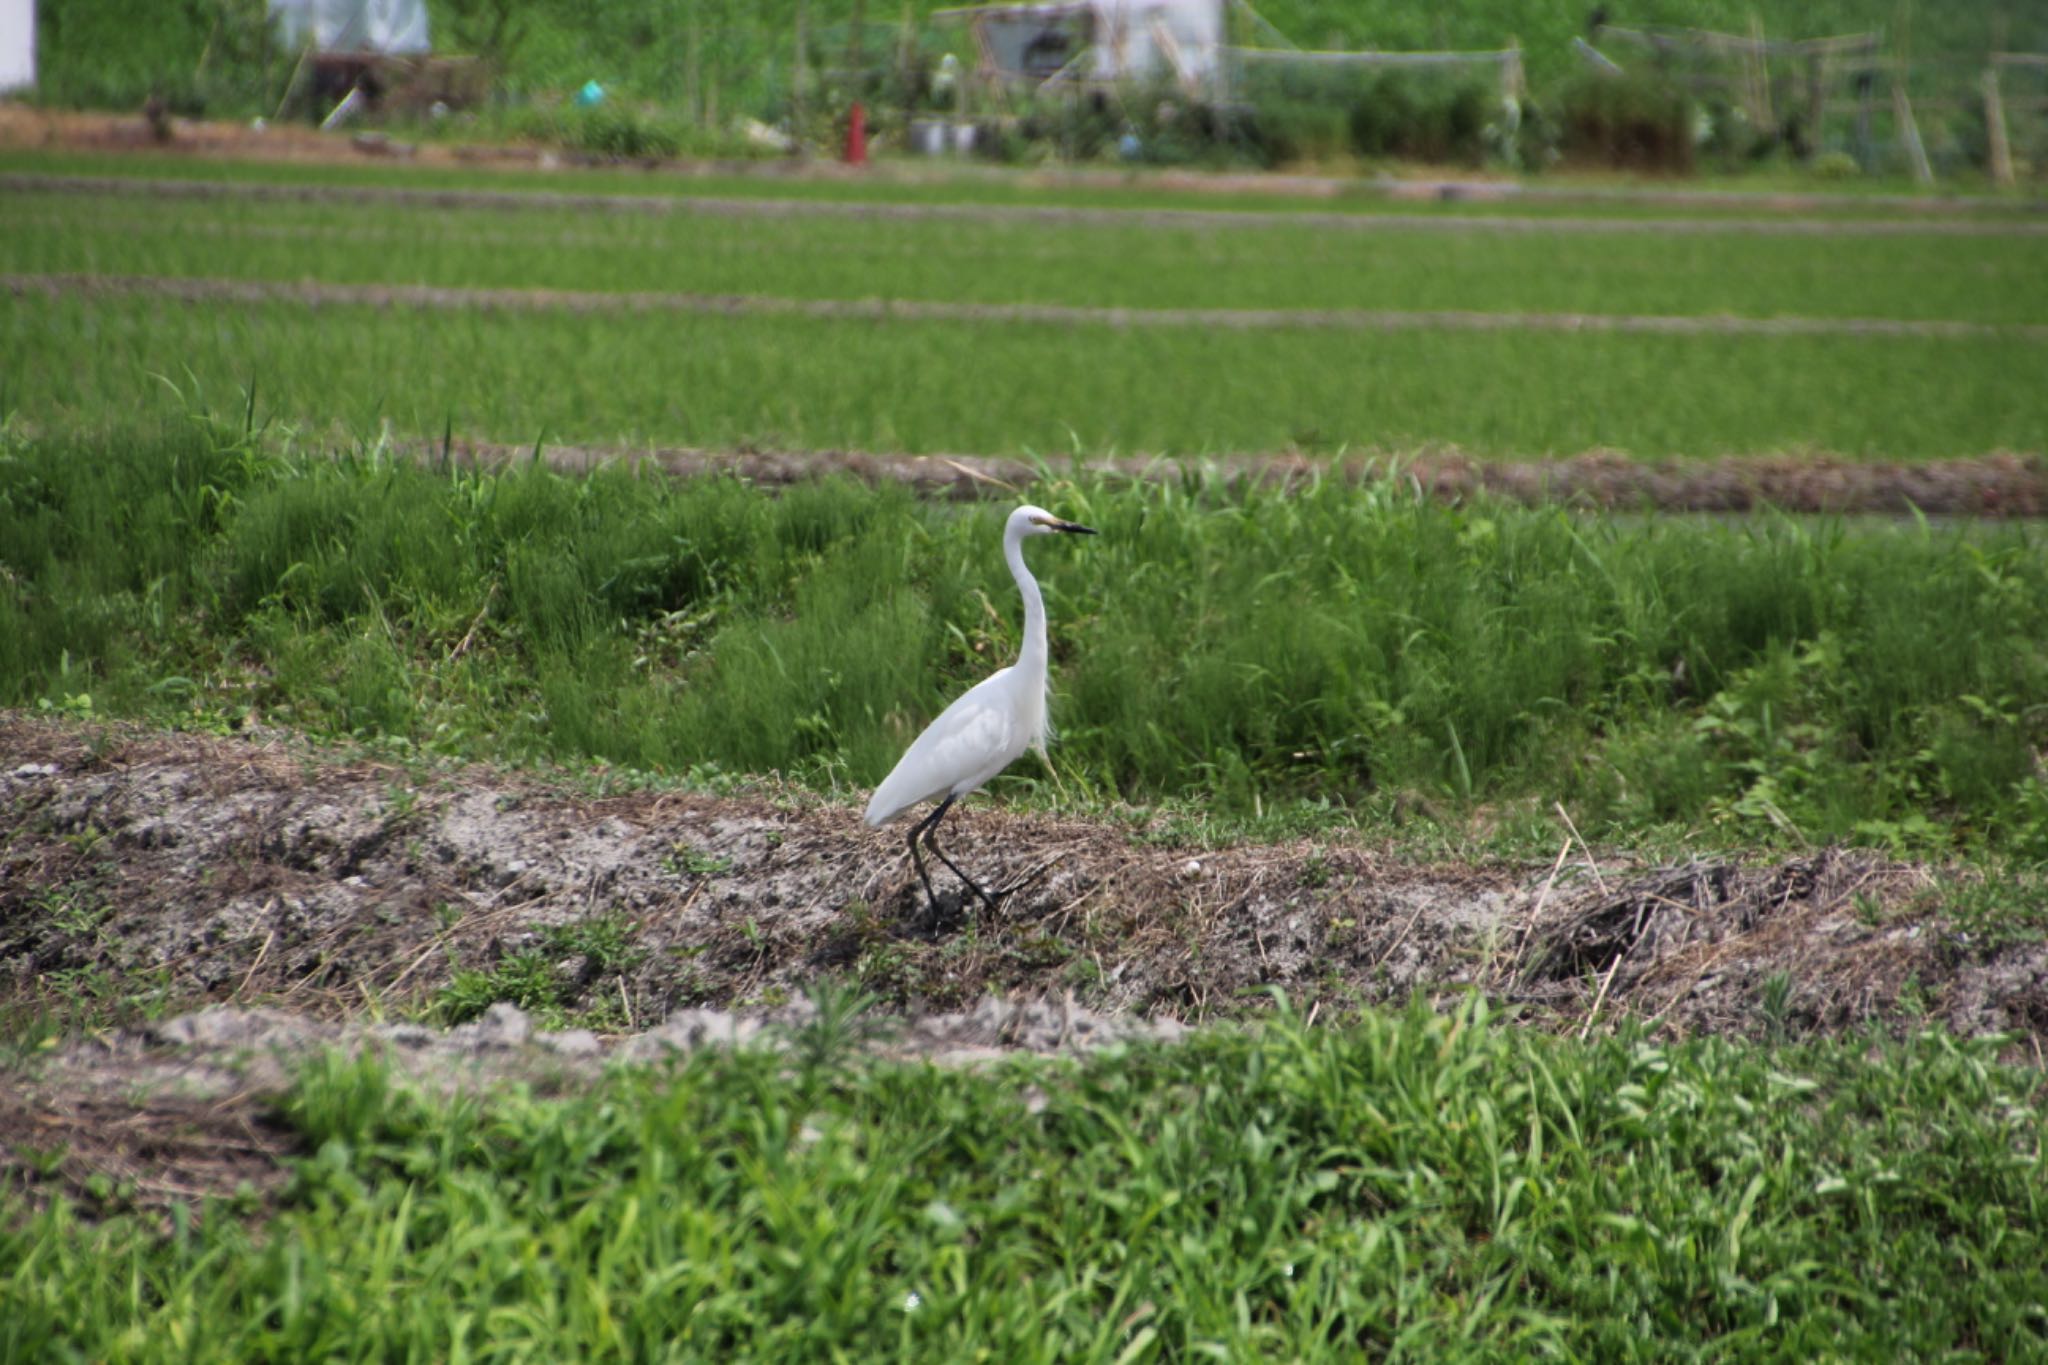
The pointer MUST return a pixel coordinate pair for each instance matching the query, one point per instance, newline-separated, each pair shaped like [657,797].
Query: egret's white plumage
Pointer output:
[989,726]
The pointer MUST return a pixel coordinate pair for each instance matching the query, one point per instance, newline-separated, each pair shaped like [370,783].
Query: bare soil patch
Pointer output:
[268,871]
[300,899]
[1999,485]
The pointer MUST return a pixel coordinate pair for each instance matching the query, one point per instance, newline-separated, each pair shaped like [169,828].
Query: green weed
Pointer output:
[695,862]
[1414,1186]
[571,973]
[1998,907]
[1241,662]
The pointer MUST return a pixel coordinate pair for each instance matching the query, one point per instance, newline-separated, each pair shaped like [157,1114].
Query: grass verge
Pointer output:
[1412,1186]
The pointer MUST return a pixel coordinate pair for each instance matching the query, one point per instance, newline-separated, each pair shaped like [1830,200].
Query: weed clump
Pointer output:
[1446,1183]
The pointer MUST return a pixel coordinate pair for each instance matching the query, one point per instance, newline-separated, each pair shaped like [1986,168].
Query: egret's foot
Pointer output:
[941,915]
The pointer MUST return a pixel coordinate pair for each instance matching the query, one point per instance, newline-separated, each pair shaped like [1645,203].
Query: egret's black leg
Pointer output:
[928,828]
[931,841]
[924,826]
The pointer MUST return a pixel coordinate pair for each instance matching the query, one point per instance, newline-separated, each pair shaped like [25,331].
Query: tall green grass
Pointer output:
[1144,265]
[1413,1187]
[1347,648]
[944,386]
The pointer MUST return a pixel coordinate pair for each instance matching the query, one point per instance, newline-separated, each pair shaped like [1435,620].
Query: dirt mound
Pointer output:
[23,126]
[2005,484]
[238,870]
[306,900]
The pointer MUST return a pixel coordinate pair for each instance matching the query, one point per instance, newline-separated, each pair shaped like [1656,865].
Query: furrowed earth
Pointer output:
[253,899]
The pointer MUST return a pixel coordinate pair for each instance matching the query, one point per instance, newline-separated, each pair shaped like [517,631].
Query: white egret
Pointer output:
[987,728]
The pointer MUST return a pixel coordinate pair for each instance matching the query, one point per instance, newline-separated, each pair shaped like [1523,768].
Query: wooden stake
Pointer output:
[1909,131]
[207,51]
[693,67]
[906,63]
[1816,98]
[1994,121]
[1866,80]
[1759,75]
[293,83]
[796,76]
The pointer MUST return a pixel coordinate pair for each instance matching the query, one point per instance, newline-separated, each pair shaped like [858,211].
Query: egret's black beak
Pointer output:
[1072,528]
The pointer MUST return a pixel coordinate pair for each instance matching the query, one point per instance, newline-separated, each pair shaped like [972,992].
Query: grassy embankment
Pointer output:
[1412,1187]
[1331,651]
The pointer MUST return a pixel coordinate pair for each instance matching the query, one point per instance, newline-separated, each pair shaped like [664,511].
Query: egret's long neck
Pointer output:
[1032,657]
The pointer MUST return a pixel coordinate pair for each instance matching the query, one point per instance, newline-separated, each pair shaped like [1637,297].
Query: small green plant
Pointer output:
[696,862]
[1774,1000]
[883,967]
[615,131]
[401,803]
[842,1021]
[77,908]
[572,972]
[1988,911]
[1836,166]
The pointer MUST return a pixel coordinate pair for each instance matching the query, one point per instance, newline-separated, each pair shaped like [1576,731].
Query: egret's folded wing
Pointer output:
[972,740]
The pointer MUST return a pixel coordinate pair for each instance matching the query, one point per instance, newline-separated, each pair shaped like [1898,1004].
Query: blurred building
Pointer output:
[17,45]
[393,27]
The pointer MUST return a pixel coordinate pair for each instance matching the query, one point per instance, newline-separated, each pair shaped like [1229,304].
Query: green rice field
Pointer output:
[1422,264]
[1050,389]
[1010,385]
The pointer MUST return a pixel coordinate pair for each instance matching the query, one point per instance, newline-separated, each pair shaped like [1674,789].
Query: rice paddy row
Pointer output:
[1917,274]
[1049,388]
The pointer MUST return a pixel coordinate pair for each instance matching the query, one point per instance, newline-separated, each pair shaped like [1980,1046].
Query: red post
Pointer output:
[857,136]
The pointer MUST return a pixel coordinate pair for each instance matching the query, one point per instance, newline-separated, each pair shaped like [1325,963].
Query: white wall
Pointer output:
[351,25]
[17,44]
[1196,26]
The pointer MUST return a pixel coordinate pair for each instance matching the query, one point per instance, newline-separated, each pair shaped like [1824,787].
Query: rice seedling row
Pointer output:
[1995,280]
[798,383]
